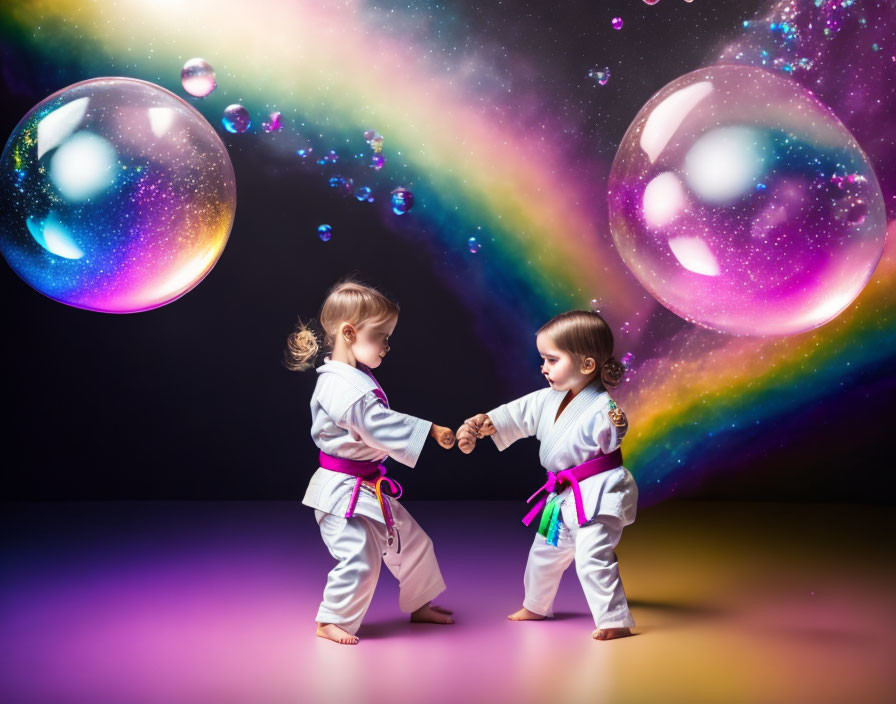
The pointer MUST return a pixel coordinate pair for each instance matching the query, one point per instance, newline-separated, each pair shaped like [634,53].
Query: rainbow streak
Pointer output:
[343,72]
[503,168]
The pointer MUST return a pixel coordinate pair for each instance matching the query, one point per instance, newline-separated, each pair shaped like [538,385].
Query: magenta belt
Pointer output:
[572,477]
[370,471]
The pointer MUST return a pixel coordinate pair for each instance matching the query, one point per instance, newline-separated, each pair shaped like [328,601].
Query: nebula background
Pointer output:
[488,115]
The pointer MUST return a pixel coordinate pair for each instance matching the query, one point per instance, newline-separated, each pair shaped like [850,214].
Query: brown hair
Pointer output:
[584,334]
[348,301]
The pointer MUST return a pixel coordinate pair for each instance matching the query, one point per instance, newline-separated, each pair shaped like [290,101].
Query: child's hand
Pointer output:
[443,436]
[481,425]
[466,439]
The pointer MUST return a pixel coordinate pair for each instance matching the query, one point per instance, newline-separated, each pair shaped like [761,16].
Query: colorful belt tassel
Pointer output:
[549,526]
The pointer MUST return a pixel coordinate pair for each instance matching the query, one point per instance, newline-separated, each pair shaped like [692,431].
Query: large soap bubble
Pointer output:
[117,196]
[744,205]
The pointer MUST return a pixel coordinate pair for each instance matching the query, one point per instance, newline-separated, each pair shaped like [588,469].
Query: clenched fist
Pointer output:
[466,439]
[443,436]
[479,426]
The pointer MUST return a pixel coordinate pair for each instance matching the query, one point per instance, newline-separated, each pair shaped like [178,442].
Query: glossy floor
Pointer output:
[129,603]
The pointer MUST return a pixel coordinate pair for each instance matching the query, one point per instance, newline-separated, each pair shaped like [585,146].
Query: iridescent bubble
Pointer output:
[617,23]
[628,359]
[377,161]
[402,200]
[601,76]
[198,77]
[364,193]
[691,224]
[236,119]
[274,123]
[117,196]
[305,152]
[473,245]
[370,135]
[325,232]
[651,2]
[595,305]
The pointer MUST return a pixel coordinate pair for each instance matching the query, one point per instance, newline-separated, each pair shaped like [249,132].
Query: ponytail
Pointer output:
[301,350]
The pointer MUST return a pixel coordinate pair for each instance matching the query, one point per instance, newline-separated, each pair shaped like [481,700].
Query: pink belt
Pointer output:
[369,471]
[572,477]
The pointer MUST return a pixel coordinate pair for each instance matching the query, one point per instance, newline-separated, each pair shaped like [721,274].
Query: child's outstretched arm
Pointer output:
[400,435]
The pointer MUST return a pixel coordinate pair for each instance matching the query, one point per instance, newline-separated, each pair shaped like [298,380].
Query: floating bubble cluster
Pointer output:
[330,157]
[402,200]
[341,183]
[198,78]
[601,76]
[236,119]
[117,196]
[325,232]
[744,205]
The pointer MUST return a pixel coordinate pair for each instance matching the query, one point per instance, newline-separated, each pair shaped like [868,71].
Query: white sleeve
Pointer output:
[608,434]
[400,435]
[517,419]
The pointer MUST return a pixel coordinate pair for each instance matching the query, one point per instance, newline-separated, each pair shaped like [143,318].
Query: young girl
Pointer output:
[355,429]
[589,495]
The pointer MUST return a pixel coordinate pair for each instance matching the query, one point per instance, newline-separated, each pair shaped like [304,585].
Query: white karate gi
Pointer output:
[349,420]
[582,432]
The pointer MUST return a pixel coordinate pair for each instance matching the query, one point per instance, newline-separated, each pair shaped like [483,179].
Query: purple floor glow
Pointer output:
[128,603]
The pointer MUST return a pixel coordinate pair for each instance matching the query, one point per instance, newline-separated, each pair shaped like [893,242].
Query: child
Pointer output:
[589,495]
[355,429]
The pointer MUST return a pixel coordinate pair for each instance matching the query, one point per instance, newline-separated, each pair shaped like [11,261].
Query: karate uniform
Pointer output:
[351,419]
[582,432]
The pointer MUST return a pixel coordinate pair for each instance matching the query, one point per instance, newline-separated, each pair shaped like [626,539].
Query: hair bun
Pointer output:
[612,373]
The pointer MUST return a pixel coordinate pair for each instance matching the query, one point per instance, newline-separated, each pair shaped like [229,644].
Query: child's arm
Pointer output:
[507,423]
[400,435]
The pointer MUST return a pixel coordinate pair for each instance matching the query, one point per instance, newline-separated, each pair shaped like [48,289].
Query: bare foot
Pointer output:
[432,614]
[610,633]
[331,631]
[525,615]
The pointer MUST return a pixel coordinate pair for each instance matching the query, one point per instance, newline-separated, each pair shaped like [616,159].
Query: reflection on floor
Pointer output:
[128,603]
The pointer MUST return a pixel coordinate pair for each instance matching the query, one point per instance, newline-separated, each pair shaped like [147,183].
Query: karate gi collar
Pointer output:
[356,376]
[581,403]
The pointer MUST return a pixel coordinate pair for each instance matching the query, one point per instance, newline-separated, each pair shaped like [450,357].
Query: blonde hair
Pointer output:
[584,334]
[348,301]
